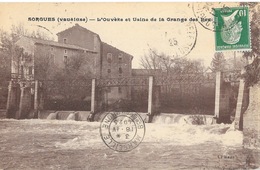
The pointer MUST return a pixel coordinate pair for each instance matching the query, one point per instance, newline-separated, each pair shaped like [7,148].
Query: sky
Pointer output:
[192,39]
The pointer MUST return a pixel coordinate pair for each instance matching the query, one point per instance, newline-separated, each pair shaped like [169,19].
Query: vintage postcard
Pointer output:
[130,85]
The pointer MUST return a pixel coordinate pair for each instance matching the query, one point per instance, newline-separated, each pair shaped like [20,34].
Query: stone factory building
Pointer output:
[102,59]
[109,61]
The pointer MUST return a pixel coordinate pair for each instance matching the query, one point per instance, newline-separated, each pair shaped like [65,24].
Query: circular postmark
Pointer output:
[122,131]
[182,39]
[176,35]
[205,12]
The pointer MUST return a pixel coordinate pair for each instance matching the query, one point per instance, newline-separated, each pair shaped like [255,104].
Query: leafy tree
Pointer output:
[76,67]
[218,62]
[65,79]
[252,74]
[43,64]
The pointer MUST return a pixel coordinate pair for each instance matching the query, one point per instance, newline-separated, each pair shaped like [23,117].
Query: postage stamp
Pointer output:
[122,131]
[234,29]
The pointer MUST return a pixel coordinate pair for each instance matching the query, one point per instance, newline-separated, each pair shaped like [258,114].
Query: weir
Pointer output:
[65,115]
[154,86]
[163,118]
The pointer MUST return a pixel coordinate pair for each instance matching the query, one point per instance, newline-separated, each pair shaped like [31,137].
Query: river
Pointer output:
[56,144]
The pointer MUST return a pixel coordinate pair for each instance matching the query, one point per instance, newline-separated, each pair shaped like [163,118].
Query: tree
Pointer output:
[184,65]
[43,64]
[170,65]
[8,47]
[67,82]
[252,74]
[218,62]
[75,69]
[151,60]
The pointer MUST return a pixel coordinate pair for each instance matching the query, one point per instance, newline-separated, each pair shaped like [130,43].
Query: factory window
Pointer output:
[65,59]
[108,70]
[119,90]
[52,48]
[53,58]
[109,57]
[65,51]
[65,40]
[120,57]
[120,70]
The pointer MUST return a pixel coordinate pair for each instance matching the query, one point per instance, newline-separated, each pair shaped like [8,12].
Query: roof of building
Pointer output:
[110,46]
[57,44]
[78,27]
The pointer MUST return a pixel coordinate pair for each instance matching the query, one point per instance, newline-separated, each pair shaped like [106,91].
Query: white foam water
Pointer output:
[167,118]
[185,134]
[168,144]
[170,129]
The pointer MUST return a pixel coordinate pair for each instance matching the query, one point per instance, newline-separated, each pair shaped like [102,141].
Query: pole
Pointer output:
[239,103]
[150,97]
[36,99]
[93,89]
[217,94]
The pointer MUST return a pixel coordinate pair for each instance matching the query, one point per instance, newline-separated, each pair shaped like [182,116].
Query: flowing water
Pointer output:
[169,143]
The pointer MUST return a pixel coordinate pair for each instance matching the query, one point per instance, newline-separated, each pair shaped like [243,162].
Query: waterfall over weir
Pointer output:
[172,118]
[177,129]
[163,118]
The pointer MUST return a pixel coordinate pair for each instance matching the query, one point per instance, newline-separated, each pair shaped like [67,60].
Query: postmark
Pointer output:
[204,13]
[183,40]
[177,34]
[122,131]
[234,27]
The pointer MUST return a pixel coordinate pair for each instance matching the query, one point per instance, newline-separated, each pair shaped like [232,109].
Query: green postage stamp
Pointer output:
[232,28]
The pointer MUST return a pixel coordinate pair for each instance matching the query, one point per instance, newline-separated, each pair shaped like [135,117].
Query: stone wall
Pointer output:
[115,63]
[25,103]
[13,100]
[251,122]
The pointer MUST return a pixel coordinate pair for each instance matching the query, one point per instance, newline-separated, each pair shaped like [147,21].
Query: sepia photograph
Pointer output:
[130,85]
